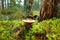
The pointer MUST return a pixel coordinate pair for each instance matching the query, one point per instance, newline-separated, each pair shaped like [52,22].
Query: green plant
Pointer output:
[6,11]
[51,27]
[7,29]
[6,34]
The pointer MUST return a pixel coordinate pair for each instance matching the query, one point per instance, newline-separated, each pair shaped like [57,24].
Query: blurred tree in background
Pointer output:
[47,8]
[28,7]
[2,4]
[36,4]
[11,7]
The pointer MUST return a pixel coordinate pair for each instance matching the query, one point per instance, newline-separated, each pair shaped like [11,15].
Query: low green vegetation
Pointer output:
[50,28]
[9,14]
[35,12]
[9,28]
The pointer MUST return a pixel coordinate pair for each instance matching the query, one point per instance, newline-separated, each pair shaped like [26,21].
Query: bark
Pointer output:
[49,10]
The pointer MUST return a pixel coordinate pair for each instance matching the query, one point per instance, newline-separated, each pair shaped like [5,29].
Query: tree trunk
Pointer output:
[49,10]
[25,9]
[2,4]
[28,7]
[5,3]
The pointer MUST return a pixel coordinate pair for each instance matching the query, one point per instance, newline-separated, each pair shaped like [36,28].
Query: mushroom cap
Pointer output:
[29,21]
